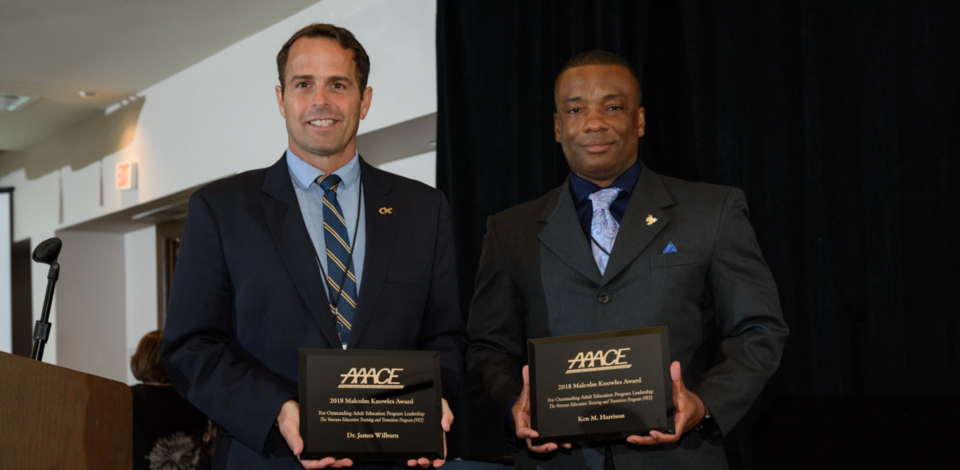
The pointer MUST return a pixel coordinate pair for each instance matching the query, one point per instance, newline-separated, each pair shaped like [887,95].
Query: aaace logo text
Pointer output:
[600,360]
[370,377]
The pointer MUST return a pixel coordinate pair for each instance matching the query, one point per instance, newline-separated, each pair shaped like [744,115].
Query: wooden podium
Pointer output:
[52,417]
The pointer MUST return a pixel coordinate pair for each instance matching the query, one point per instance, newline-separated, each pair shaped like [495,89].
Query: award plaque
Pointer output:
[370,405]
[600,386]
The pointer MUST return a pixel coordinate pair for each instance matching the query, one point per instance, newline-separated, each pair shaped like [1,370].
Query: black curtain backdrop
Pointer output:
[838,119]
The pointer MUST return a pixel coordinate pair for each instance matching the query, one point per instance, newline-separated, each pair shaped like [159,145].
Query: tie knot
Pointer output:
[603,198]
[328,182]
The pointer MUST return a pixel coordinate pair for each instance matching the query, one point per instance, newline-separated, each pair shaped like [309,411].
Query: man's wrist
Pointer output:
[708,428]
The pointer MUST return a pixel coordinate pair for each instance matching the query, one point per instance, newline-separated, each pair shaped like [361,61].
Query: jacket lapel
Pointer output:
[648,199]
[285,220]
[380,232]
[564,236]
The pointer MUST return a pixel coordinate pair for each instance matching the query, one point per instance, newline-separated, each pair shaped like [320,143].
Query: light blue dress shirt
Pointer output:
[310,196]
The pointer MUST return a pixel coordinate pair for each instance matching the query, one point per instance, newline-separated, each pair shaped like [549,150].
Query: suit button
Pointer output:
[604,297]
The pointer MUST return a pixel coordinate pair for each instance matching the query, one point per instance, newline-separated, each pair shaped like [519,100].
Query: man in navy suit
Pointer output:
[620,247]
[320,250]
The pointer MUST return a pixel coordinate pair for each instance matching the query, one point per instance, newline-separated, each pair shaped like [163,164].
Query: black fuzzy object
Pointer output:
[174,452]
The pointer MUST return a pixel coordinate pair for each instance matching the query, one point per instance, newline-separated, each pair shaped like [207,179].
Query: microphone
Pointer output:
[46,252]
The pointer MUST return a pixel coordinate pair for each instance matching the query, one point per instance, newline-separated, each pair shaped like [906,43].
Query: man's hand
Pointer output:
[521,419]
[289,422]
[445,423]
[689,412]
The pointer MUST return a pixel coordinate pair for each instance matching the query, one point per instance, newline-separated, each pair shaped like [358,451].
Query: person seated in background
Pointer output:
[168,432]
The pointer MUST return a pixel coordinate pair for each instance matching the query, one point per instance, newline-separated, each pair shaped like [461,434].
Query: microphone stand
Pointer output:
[41,332]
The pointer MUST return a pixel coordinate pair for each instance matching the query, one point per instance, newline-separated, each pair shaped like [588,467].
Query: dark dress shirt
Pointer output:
[580,189]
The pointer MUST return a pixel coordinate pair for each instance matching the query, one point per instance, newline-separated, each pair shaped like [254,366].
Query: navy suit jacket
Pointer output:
[537,278]
[247,294]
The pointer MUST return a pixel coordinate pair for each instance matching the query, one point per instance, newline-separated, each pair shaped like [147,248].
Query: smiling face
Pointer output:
[599,121]
[322,102]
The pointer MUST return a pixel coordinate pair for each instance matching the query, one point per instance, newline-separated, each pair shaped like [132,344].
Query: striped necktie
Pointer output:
[340,277]
[603,227]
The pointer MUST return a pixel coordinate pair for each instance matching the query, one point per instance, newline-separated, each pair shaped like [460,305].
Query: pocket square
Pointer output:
[670,248]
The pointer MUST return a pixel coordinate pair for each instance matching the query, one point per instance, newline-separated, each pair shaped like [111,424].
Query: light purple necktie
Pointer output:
[603,228]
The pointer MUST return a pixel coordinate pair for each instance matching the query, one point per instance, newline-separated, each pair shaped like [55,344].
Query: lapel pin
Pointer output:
[650,219]
[386,210]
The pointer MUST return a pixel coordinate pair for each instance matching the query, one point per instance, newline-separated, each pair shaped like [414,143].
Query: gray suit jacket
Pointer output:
[537,278]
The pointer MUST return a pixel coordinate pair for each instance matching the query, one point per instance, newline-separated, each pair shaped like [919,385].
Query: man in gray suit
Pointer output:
[619,247]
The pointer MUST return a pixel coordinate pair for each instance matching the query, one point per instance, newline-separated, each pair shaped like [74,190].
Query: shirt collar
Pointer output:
[627,180]
[305,174]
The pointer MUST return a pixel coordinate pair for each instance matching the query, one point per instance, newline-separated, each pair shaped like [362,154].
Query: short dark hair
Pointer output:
[343,37]
[145,363]
[597,57]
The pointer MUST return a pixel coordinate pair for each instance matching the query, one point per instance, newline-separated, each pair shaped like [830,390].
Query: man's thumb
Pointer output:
[676,377]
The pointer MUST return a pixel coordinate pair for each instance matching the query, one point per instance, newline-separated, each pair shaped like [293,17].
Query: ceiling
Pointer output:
[53,49]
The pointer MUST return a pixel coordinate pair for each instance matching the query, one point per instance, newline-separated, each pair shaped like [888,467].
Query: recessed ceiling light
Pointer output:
[87,94]
[13,103]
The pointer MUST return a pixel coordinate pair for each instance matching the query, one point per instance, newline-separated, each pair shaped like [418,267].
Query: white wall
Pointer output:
[422,168]
[214,119]
[90,332]
[140,290]
[6,302]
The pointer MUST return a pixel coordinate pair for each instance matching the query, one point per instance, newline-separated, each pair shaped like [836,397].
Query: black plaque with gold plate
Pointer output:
[600,386]
[370,405]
